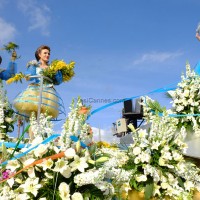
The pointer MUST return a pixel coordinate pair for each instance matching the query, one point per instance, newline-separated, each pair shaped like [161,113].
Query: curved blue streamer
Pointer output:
[13,145]
[159,90]
[49,139]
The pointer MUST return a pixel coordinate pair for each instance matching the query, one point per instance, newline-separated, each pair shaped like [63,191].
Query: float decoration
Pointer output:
[74,167]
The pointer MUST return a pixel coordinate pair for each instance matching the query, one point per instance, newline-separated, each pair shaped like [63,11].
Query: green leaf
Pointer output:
[180,181]
[102,159]
[92,192]
[148,192]
[4,151]
[155,106]
[91,162]
[19,140]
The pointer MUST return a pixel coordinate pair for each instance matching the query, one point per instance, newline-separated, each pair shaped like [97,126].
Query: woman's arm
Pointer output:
[59,78]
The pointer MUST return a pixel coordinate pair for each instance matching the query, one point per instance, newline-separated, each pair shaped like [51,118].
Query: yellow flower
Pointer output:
[59,65]
[103,144]
[10,80]
[15,78]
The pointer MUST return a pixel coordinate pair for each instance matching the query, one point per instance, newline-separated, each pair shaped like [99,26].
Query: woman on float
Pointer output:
[27,101]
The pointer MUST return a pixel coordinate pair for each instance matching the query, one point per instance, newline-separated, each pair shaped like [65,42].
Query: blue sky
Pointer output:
[121,48]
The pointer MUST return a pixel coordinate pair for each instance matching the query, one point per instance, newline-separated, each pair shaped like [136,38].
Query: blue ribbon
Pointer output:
[47,140]
[75,139]
[183,115]
[13,145]
[159,90]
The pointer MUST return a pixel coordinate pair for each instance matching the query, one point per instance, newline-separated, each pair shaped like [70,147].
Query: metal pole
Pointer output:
[40,94]
[40,100]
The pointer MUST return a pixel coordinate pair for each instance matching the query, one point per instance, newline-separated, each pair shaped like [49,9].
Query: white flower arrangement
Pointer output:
[51,172]
[156,160]
[186,101]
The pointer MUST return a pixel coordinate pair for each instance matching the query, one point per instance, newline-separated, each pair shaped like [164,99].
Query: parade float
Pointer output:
[70,165]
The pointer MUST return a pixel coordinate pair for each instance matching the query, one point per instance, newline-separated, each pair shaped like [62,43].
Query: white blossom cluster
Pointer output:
[76,125]
[117,157]
[5,120]
[159,153]
[2,102]
[92,176]
[186,101]
[45,126]
[118,175]
[107,189]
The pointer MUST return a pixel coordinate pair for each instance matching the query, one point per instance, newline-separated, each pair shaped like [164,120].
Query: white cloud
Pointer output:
[7,32]
[38,15]
[156,57]
[104,135]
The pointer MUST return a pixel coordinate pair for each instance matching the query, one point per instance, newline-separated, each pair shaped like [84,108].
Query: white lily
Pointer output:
[64,191]
[13,165]
[79,163]
[31,185]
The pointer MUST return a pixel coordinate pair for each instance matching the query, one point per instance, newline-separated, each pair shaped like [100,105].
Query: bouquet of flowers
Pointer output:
[67,70]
